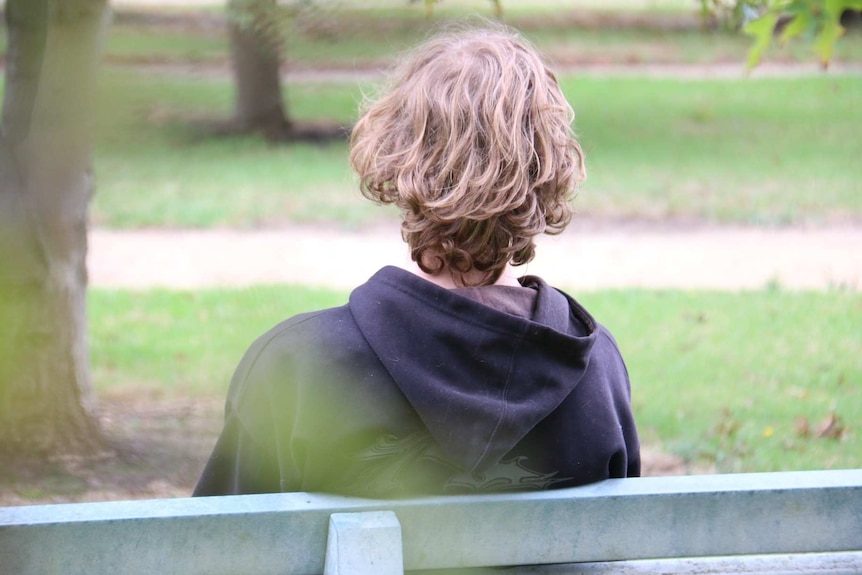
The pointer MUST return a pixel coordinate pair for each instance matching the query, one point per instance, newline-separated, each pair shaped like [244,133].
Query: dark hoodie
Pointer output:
[411,388]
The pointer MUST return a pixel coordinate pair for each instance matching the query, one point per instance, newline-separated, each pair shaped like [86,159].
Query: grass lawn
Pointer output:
[742,381]
[767,151]
[752,151]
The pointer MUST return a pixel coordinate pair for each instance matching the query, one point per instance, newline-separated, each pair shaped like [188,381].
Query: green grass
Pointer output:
[755,151]
[138,42]
[722,378]
[770,151]
[156,167]
[184,343]
[752,151]
[729,378]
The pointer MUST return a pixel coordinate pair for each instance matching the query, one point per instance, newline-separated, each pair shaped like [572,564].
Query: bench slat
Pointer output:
[666,517]
[844,563]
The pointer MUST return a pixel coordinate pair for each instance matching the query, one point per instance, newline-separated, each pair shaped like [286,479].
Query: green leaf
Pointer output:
[800,23]
[824,42]
[833,8]
[761,29]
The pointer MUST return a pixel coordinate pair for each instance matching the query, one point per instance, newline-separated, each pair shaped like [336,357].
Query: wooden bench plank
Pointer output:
[666,517]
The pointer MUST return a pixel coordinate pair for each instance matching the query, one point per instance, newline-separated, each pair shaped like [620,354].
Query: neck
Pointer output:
[444,279]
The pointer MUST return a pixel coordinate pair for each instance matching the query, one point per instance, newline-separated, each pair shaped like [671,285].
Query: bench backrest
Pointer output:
[626,519]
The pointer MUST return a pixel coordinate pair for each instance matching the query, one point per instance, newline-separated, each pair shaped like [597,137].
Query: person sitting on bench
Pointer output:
[447,375]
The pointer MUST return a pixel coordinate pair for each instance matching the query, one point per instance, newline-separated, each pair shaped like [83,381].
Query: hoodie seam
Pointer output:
[613,342]
[274,334]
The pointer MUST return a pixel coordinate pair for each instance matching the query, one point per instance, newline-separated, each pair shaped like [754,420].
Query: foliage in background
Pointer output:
[818,22]
[729,15]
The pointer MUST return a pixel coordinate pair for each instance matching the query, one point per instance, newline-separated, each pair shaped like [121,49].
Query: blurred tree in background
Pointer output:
[46,400]
[255,49]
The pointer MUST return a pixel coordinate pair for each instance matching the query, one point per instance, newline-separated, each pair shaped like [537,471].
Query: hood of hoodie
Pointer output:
[480,379]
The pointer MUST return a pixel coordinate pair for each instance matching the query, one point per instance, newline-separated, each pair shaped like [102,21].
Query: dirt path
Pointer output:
[592,257]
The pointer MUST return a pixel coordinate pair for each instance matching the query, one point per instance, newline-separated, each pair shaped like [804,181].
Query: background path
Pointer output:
[592,257]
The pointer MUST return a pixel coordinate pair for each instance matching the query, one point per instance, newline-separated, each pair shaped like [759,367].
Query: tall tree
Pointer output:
[255,47]
[46,400]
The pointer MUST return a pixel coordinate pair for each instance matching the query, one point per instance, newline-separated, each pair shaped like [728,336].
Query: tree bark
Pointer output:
[256,60]
[47,406]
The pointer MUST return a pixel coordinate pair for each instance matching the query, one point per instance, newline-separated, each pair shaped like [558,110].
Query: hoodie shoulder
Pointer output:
[292,342]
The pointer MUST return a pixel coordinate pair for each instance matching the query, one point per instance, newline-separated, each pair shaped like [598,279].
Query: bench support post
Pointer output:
[367,543]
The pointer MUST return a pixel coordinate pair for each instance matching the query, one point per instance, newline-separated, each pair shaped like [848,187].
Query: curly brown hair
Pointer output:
[472,141]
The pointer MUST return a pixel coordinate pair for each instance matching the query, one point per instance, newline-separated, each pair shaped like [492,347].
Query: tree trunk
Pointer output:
[46,399]
[255,55]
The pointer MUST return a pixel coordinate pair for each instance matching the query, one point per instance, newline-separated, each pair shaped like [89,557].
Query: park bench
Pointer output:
[789,522]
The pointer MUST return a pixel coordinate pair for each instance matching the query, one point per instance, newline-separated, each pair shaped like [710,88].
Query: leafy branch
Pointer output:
[814,21]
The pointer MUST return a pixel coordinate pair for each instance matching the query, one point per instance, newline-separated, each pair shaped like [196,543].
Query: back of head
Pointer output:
[472,140]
